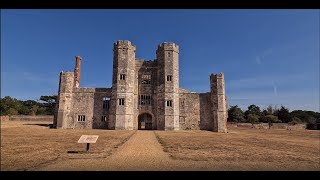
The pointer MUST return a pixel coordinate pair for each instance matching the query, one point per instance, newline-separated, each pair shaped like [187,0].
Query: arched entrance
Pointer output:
[145,121]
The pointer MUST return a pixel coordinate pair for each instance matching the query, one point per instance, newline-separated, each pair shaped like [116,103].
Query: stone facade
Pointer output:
[144,95]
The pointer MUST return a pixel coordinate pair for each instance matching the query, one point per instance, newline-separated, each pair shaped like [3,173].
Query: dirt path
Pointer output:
[141,152]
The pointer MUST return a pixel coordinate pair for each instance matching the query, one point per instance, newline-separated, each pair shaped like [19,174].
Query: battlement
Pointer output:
[168,46]
[146,63]
[217,76]
[123,44]
[67,73]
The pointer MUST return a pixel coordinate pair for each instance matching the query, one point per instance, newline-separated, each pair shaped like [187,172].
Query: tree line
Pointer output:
[12,106]
[46,106]
[271,115]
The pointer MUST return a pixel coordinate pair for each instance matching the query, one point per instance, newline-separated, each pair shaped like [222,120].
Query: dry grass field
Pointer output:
[280,149]
[26,145]
[29,146]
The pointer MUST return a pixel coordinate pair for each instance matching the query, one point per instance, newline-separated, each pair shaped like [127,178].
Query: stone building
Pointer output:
[144,95]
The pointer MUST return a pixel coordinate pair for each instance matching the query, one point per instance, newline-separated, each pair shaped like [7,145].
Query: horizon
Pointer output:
[268,57]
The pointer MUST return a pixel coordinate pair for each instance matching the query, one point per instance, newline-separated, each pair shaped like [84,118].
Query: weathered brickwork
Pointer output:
[145,94]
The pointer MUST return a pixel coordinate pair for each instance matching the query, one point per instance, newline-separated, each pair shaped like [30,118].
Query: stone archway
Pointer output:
[145,121]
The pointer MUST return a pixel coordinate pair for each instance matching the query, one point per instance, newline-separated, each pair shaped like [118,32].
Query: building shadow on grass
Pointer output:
[45,125]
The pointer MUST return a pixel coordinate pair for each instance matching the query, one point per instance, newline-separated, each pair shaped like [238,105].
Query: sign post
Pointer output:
[88,139]
[88,146]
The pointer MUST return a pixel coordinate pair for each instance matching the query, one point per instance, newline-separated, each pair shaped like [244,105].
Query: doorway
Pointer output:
[145,121]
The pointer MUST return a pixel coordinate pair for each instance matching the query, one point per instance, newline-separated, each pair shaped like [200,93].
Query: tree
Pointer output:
[283,114]
[271,119]
[12,111]
[34,110]
[253,109]
[268,111]
[49,99]
[8,105]
[50,102]
[235,114]
[305,116]
[252,118]
[294,121]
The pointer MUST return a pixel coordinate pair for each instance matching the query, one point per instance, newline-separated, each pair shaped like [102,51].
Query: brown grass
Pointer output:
[26,145]
[278,148]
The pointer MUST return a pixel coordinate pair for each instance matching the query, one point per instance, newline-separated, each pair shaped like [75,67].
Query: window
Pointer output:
[145,99]
[122,77]
[182,103]
[169,103]
[169,78]
[104,118]
[81,118]
[121,101]
[146,79]
[106,102]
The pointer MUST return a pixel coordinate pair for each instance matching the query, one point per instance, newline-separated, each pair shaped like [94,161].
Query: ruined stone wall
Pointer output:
[266,126]
[206,119]
[189,118]
[30,118]
[4,118]
[89,102]
[195,111]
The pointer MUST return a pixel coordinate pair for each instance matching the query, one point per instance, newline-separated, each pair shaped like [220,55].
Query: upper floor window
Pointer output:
[81,118]
[122,77]
[106,102]
[121,101]
[146,79]
[169,103]
[169,78]
[145,99]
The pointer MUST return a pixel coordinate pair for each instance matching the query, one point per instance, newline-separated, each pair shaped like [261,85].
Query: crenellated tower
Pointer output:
[123,83]
[168,86]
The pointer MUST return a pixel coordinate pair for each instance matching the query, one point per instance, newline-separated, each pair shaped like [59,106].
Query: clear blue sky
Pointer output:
[267,56]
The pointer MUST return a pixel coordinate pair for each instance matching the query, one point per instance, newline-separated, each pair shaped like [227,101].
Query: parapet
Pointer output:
[168,46]
[120,44]
[218,76]
[214,77]
[68,73]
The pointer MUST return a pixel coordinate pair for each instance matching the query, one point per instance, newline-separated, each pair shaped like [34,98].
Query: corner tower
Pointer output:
[123,83]
[64,103]
[168,86]
[218,99]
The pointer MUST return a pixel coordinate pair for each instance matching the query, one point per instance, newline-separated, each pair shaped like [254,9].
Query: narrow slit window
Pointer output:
[121,101]
[122,77]
[169,103]
[169,78]
[81,118]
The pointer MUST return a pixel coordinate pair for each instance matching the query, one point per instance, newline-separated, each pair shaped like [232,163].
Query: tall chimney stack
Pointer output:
[77,72]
